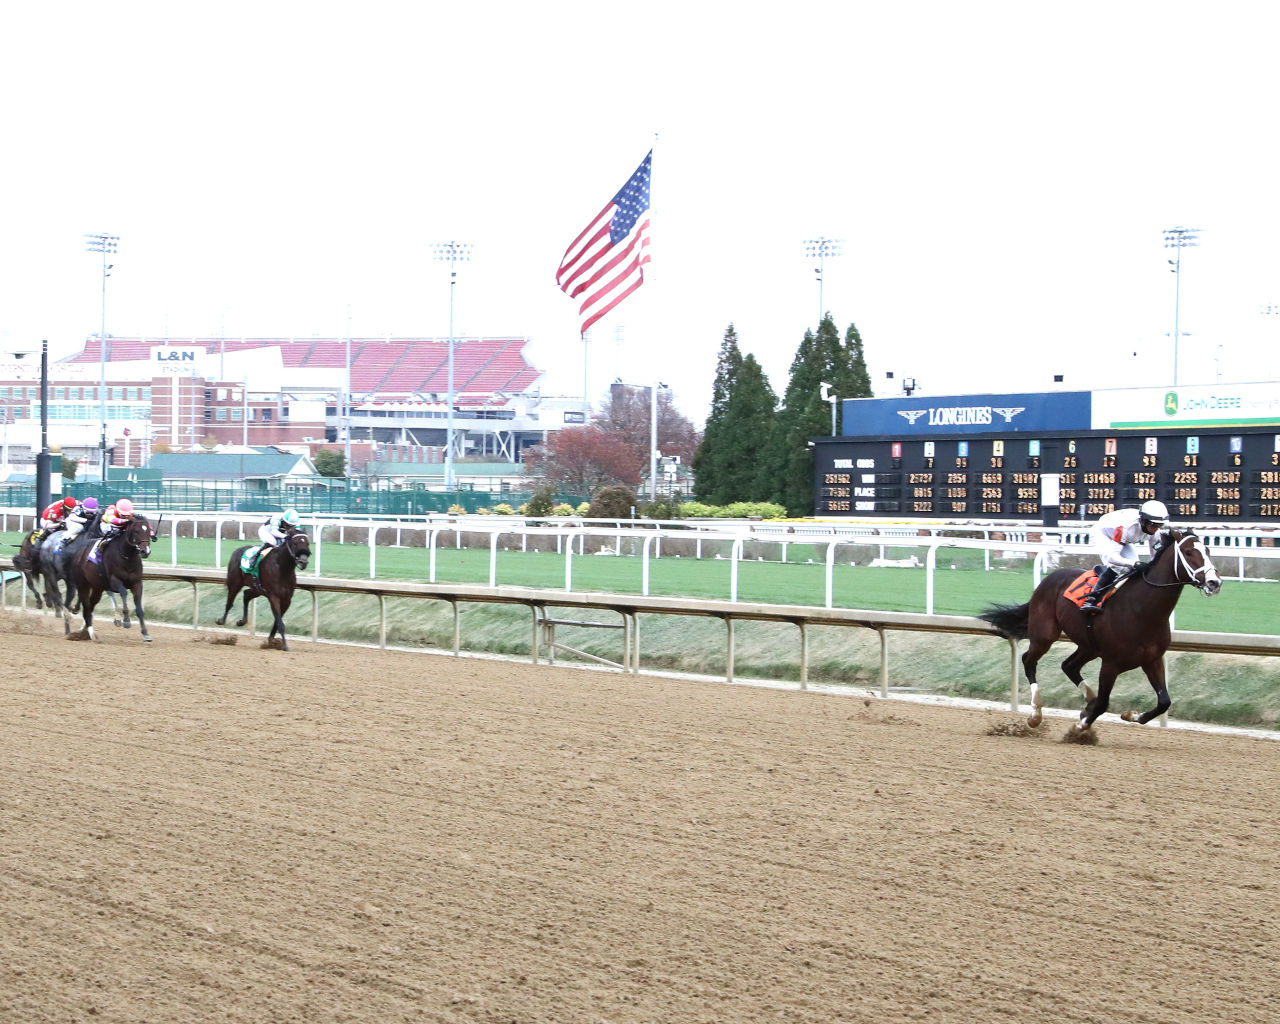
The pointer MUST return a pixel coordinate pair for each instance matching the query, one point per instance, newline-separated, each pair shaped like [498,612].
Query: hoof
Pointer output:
[146,639]
[1035,718]
[1129,716]
[241,622]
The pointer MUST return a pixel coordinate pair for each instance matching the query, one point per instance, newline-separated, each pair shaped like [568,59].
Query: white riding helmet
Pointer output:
[1153,513]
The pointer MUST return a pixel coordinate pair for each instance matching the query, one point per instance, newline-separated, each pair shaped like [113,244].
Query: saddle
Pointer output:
[95,553]
[251,560]
[1078,589]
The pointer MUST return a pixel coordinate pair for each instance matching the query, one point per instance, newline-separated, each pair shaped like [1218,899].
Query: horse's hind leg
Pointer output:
[1097,705]
[1155,675]
[1072,665]
[1035,651]
[232,590]
[30,581]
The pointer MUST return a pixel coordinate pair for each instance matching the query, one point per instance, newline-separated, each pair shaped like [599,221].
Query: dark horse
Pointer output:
[58,563]
[118,569]
[56,554]
[276,580]
[1131,632]
[27,562]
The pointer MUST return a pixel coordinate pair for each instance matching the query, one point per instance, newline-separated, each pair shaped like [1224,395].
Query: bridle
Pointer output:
[129,542]
[1197,578]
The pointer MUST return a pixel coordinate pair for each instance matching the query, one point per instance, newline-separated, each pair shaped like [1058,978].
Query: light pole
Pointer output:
[346,413]
[455,253]
[104,244]
[1178,238]
[823,248]
[653,390]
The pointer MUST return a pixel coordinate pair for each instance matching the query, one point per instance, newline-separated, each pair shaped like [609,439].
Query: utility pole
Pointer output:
[104,244]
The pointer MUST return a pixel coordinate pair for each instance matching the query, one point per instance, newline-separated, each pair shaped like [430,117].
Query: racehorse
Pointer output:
[27,562]
[118,569]
[1131,632]
[55,570]
[276,580]
[58,563]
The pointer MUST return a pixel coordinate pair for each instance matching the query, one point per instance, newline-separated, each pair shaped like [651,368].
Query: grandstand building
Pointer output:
[185,393]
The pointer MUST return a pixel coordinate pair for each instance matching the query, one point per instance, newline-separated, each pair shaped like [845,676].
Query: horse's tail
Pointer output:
[1009,619]
[22,563]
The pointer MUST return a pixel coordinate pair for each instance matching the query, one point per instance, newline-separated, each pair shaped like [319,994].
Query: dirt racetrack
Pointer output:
[198,832]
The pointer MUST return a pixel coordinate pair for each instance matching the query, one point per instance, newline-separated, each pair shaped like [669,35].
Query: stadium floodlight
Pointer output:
[1178,238]
[104,244]
[822,249]
[453,253]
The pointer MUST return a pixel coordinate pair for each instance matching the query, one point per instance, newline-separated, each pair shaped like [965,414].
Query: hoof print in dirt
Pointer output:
[1017,728]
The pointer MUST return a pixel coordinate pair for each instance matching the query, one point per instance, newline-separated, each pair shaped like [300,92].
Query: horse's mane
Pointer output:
[1172,538]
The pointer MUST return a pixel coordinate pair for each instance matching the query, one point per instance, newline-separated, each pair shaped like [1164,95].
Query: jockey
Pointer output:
[81,517]
[114,519]
[273,532]
[52,518]
[1114,536]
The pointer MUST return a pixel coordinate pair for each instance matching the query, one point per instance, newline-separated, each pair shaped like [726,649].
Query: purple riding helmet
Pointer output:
[90,504]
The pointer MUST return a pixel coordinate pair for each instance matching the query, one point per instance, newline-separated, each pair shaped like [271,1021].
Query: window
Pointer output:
[266,415]
[222,415]
[235,414]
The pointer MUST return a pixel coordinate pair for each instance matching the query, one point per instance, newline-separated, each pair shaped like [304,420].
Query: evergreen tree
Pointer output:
[856,382]
[729,463]
[728,365]
[749,423]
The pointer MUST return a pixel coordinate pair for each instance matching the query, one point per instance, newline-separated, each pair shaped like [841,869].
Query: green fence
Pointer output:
[223,497]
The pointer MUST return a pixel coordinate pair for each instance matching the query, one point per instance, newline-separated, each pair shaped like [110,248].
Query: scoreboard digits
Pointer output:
[1208,475]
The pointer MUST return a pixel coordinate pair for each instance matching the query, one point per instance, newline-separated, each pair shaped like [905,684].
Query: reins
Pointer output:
[1181,562]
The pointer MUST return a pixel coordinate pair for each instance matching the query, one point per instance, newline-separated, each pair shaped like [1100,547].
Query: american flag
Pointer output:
[605,263]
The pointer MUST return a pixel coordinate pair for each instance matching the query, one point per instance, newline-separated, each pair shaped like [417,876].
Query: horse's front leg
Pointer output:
[1155,675]
[277,624]
[137,607]
[87,601]
[118,590]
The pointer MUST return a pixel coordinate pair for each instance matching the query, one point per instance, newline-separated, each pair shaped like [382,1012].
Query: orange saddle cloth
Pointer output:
[1080,588]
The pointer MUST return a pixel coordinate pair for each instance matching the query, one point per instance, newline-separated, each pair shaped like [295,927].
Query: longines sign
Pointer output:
[960,414]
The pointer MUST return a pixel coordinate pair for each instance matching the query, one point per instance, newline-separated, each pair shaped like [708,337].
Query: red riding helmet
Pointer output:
[68,503]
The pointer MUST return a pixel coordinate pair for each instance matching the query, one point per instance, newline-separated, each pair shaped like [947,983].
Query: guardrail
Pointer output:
[630,607]
[644,540]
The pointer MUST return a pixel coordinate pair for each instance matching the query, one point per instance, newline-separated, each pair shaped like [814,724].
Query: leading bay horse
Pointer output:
[1131,632]
[276,580]
[118,569]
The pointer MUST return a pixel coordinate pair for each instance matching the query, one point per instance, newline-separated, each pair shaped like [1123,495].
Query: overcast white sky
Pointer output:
[1000,175]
